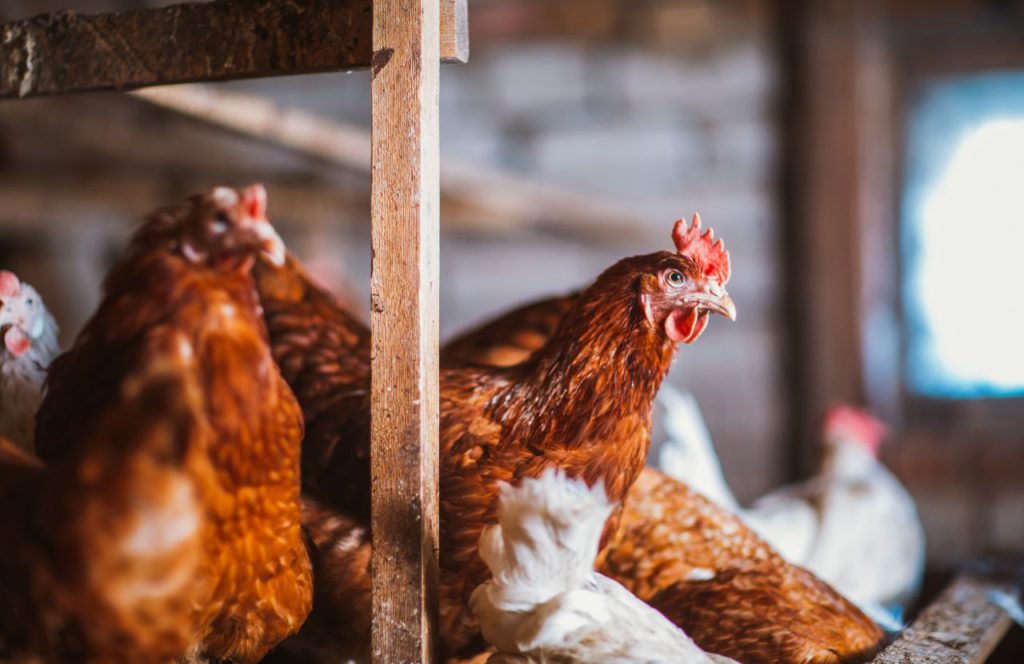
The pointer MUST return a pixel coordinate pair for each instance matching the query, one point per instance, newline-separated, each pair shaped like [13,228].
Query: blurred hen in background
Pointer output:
[30,344]
[853,524]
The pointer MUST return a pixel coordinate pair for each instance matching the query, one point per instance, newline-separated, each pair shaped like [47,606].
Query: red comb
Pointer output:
[710,256]
[254,200]
[9,284]
[855,424]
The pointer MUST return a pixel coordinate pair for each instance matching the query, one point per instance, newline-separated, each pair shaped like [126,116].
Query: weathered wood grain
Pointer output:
[405,212]
[220,40]
[962,626]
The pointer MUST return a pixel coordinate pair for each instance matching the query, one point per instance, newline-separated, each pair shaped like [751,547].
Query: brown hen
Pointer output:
[323,352]
[187,277]
[101,550]
[581,403]
[510,338]
[755,607]
[728,589]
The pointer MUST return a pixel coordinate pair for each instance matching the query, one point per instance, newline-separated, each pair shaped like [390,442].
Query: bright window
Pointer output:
[963,239]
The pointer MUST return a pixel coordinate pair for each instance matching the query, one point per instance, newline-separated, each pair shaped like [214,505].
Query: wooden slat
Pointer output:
[454,31]
[962,626]
[46,202]
[475,197]
[404,316]
[221,40]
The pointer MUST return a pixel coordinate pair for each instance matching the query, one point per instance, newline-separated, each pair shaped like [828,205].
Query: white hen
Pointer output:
[853,525]
[30,344]
[546,603]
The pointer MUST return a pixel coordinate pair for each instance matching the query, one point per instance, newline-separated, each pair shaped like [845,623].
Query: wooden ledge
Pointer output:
[962,626]
[213,41]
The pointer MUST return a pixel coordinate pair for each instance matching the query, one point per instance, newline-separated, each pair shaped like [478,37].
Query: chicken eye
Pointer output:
[220,224]
[675,278]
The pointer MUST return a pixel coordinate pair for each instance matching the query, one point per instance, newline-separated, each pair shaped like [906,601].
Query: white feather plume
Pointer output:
[545,602]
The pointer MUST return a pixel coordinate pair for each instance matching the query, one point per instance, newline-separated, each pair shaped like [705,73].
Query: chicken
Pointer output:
[689,455]
[854,525]
[102,550]
[779,613]
[727,588]
[186,277]
[30,344]
[869,542]
[510,338]
[338,629]
[323,351]
[581,403]
[545,603]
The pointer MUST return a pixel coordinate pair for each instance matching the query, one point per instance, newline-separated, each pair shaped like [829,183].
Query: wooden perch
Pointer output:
[962,626]
[221,40]
[34,201]
[474,197]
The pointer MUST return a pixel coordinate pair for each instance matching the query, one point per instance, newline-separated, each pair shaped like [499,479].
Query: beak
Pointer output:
[271,243]
[713,298]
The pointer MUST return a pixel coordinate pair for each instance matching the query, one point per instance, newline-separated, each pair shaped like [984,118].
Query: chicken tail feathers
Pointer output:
[549,533]
[544,543]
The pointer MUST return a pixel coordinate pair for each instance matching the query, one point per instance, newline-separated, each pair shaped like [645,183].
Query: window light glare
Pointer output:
[967,276]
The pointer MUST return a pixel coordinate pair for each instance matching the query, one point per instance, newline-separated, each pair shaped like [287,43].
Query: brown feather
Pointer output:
[510,338]
[324,355]
[103,549]
[728,589]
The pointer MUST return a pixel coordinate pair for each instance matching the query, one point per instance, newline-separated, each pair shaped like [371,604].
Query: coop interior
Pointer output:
[861,162]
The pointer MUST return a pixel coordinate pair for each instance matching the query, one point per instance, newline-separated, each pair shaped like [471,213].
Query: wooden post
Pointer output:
[822,52]
[404,316]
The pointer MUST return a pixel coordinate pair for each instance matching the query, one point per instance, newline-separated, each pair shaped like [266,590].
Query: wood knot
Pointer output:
[380,59]
[376,303]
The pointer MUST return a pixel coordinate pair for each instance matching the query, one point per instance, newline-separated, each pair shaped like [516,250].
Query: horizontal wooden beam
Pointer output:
[32,201]
[963,626]
[474,197]
[212,41]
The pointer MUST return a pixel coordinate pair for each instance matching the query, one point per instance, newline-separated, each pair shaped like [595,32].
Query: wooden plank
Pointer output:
[220,40]
[36,201]
[405,235]
[962,626]
[475,197]
[454,31]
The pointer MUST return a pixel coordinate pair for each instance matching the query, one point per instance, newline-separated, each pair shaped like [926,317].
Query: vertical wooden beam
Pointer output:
[404,316]
[790,26]
[822,49]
